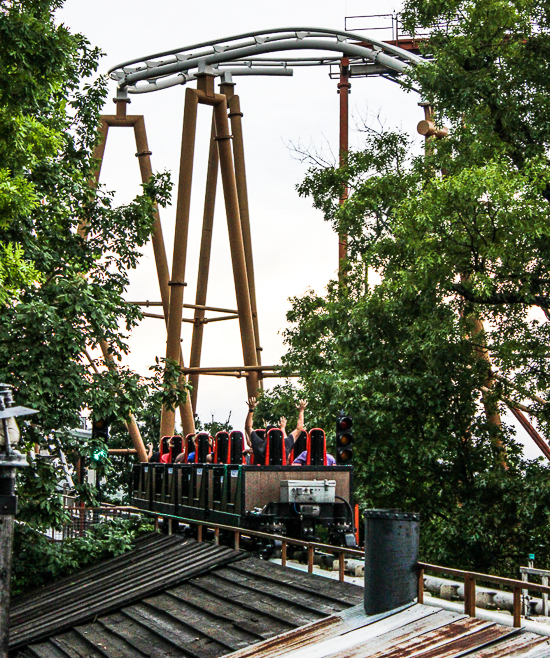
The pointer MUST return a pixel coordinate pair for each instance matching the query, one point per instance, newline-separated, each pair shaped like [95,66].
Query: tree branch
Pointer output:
[500,297]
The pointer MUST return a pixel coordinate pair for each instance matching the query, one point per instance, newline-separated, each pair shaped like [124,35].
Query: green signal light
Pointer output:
[98,456]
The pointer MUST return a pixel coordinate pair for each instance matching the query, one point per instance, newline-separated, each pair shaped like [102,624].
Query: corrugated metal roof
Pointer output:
[154,565]
[228,606]
[418,631]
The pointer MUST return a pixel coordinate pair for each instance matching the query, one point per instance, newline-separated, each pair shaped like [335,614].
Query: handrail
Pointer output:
[256,533]
[498,580]
[238,532]
[470,578]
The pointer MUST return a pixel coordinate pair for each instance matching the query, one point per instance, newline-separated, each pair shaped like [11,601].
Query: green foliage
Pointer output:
[457,236]
[15,272]
[65,253]
[214,426]
[39,561]
[41,505]
[281,400]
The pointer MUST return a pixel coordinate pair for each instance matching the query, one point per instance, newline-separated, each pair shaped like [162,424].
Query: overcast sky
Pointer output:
[294,249]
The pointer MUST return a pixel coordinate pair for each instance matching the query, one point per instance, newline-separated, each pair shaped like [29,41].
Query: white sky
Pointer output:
[294,249]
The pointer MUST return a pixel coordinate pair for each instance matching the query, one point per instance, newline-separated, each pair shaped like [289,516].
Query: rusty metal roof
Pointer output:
[173,597]
[415,632]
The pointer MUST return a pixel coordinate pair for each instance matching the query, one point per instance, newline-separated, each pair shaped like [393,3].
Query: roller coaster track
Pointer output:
[245,54]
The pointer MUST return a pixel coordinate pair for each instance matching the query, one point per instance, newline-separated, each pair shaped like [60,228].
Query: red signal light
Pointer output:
[343,423]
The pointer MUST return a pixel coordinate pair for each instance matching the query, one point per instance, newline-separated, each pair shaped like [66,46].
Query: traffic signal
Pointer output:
[344,439]
[98,456]
[100,430]
[100,436]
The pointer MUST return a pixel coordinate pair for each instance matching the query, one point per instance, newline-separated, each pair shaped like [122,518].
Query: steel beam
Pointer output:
[204,308]
[343,89]
[173,347]
[236,244]
[204,261]
[235,116]
[137,122]
[161,261]
[131,425]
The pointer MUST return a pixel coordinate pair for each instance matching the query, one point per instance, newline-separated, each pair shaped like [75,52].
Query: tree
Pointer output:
[69,247]
[460,239]
[281,400]
[213,426]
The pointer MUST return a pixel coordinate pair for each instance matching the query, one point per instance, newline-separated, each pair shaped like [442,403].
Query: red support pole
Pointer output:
[343,89]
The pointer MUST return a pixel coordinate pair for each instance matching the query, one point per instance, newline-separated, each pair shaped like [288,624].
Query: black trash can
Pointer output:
[391,555]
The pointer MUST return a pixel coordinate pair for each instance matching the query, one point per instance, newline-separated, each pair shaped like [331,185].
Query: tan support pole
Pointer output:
[492,415]
[133,429]
[137,122]
[238,257]
[204,261]
[144,158]
[235,116]
[177,283]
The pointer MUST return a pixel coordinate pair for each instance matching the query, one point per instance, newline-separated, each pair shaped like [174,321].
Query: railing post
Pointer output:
[341,566]
[545,597]
[237,544]
[310,559]
[199,532]
[469,595]
[420,594]
[217,536]
[283,553]
[156,523]
[525,593]
[517,607]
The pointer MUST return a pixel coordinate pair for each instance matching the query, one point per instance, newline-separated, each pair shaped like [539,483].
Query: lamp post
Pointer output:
[10,460]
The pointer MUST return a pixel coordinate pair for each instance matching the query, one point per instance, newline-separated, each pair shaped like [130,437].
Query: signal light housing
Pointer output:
[100,429]
[100,434]
[344,438]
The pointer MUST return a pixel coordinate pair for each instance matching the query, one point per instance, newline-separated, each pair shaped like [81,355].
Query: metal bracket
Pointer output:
[144,153]
[8,505]
[221,137]
[176,283]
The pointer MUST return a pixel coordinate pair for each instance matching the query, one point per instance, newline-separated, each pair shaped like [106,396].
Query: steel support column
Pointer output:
[235,116]
[137,122]
[181,232]
[161,261]
[131,425]
[236,244]
[204,261]
[343,89]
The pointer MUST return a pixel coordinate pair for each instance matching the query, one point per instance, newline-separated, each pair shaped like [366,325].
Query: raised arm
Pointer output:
[300,424]
[252,403]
